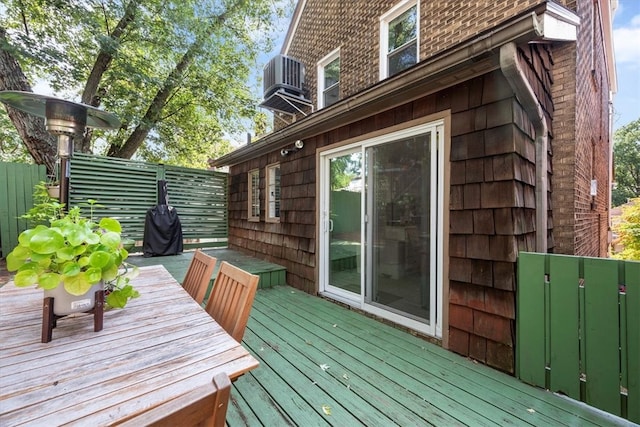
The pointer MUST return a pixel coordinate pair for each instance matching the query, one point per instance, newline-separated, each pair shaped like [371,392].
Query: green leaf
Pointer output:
[92,239]
[111,224]
[100,259]
[65,254]
[118,298]
[77,285]
[25,237]
[49,280]
[14,262]
[70,268]
[26,278]
[110,272]
[75,234]
[110,239]
[94,275]
[46,241]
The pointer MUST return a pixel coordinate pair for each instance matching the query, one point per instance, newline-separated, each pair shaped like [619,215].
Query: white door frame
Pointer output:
[434,327]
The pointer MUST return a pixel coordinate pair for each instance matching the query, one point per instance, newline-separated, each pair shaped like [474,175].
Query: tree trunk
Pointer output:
[152,115]
[40,143]
[103,61]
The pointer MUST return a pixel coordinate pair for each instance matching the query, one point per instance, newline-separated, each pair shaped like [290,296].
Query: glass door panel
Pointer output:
[398,211]
[344,212]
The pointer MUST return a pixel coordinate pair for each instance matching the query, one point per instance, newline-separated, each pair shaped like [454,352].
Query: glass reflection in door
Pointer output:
[398,205]
[345,200]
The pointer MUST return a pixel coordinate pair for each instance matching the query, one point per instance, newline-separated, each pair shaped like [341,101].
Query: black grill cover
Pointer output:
[162,232]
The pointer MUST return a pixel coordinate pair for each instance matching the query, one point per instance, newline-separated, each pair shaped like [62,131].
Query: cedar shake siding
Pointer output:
[492,207]
[491,190]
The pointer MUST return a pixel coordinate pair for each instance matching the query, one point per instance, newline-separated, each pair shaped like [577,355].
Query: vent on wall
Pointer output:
[285,73]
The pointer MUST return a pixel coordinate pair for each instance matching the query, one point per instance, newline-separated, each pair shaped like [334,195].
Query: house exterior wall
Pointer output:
[581,144]
[354,26]
[492,199]
[492,208]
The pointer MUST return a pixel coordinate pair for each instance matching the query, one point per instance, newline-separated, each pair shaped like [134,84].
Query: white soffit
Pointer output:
[558,23]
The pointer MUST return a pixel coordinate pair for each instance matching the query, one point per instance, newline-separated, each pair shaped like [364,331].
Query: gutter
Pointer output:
[524,92]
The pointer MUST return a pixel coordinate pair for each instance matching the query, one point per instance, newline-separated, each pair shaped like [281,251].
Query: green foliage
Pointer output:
[61,43]
[11,148]
[626,155]
[343,170]
[72,250]
[628,231]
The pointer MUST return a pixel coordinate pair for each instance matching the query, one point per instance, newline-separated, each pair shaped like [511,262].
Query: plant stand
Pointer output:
[50,319]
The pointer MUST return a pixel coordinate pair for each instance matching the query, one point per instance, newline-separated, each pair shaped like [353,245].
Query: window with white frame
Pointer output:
[399,29]
[329,79]
[273,193]
[254,195]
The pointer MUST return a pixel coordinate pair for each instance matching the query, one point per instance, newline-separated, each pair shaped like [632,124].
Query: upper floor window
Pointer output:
[399,31]
[254,195]
[329,79]
[273,193]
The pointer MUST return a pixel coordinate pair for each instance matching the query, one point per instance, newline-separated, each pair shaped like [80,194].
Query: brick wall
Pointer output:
[581,140]
[354,26]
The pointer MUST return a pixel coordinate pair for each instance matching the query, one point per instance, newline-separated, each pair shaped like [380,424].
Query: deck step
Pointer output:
[270,274]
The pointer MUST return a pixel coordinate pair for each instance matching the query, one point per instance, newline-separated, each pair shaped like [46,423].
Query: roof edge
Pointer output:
[481,51]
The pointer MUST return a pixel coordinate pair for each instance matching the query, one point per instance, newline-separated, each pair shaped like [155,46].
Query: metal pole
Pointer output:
[65,150]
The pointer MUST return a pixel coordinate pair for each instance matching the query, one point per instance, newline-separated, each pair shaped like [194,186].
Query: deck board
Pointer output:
[378,375]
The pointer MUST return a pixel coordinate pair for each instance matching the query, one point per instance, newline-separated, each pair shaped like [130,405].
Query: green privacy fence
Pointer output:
[126,189]
[16,198]
[578,329]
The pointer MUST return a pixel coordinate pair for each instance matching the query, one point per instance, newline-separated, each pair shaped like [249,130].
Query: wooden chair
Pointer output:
[204,406]
[198,276]
[231,299]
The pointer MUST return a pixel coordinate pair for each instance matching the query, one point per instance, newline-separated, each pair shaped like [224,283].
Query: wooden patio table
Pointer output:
[159,346]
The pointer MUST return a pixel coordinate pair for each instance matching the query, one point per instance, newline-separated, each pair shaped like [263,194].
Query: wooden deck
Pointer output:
[270,274]
[324,364]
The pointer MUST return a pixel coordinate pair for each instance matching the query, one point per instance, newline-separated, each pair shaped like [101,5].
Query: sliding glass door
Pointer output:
[379,226]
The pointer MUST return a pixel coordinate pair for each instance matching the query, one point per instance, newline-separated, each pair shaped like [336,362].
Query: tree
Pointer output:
[175,73]
[626,155]
[628,231]
[39,143]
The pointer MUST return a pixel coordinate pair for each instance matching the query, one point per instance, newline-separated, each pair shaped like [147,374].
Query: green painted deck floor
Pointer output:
[270,274]
[323,364]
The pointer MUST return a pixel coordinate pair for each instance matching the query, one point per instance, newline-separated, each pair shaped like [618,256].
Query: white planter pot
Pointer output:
[54,191]
[64,303]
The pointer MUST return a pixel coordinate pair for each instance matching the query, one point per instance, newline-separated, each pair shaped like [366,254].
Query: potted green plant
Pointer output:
[71,256]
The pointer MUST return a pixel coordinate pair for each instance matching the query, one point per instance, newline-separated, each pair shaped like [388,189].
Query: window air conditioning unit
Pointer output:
[284,73]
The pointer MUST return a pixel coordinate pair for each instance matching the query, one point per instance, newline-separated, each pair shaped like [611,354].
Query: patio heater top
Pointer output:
[65,119]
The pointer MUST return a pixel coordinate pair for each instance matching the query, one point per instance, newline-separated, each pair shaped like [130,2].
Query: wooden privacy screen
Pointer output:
[578,329]
[128,188]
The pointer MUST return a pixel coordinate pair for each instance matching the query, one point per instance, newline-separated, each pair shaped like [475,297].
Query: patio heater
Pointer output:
[65,120]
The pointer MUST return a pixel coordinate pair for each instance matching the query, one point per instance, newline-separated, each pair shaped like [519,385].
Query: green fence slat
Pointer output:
[530,347]
[564,314]
[16,197]
[602,358]
[4,211]
[632,282]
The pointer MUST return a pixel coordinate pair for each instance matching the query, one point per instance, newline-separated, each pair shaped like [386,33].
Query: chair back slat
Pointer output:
[232,298]
[198,276]
[203,406]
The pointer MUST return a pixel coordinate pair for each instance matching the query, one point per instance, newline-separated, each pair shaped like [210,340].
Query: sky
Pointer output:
[626,42]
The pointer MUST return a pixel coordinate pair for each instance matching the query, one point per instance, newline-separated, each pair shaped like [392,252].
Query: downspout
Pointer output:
[511,69]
